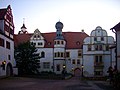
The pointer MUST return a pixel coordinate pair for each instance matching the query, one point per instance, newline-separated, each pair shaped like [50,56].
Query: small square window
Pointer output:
[73,61]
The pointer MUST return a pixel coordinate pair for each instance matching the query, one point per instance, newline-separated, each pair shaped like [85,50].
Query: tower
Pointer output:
[59,49]
[23,29]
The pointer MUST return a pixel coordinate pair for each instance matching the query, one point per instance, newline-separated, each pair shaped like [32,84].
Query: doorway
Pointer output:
[77,72]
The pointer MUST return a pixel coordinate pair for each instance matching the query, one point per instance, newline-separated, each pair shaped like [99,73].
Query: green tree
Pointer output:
[27,59]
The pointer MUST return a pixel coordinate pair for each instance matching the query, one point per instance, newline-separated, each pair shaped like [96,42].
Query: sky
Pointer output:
[76,15]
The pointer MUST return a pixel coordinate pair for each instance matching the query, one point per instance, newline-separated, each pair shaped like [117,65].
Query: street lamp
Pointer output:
[82,69]
[64,66]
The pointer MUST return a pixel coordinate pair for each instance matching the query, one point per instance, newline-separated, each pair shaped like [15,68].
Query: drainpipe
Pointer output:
[113,30]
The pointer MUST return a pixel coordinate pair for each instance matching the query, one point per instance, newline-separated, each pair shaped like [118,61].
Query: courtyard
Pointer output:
[75,83]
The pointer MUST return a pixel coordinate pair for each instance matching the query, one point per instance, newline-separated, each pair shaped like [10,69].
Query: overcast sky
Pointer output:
[74,14]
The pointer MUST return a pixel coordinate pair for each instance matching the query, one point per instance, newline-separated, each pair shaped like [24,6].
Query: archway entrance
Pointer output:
[9,70]
[77,72]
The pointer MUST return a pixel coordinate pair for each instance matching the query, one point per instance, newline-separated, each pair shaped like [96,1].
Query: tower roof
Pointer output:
[59,25]
[23,26]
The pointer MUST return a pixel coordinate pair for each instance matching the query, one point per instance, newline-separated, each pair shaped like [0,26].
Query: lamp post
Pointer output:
[82,69]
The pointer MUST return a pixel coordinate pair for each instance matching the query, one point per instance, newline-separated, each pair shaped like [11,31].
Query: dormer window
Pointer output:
[49,43]
[35,36]
[38,36]
[40,43]
[78,43]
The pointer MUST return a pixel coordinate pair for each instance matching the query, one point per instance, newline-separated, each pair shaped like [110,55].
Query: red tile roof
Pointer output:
[74,39]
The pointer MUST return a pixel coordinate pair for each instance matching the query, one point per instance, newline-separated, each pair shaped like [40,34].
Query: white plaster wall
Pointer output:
[48,58]
[88,62]
[106,61]
[4,54]
[73,55]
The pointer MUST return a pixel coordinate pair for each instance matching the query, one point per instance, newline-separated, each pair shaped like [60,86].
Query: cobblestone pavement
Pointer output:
[20,83]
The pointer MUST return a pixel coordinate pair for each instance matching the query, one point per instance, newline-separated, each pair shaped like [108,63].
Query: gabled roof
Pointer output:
[74,40]
[3,12]
[116,27]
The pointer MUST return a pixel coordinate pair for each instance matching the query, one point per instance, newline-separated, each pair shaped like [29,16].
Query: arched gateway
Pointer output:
[77,72]
[9,70]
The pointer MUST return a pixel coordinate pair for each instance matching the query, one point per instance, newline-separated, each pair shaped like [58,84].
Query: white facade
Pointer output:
[7,55]
[7,61]
[96,53]
[58,57]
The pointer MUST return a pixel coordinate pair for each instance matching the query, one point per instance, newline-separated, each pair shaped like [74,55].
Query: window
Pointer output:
[46,65]
[11,31]
[58,54]
[102,38]
[67,54]
[62,42]
[98,47]
[78,43]
[9,57]
[35,36]
[79,53]
[42,54]
[7,45]
[49,43]
[98,59]
[73,61]
[58,67]
[40,43]
[89,47]
[1,42]
[78,61]
[58,42]
[38,36]
[107,47]
[62,54]
[34,44]
[95,38]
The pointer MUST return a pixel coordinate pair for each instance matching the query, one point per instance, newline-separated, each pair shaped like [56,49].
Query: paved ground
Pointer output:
[38,84]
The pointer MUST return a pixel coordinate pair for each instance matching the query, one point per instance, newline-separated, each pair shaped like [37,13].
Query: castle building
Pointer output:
[58,50]
[7,61]
[97,57]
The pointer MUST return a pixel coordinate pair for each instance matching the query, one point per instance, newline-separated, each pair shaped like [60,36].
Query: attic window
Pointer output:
[49,43]
[78,43]
[38,36]
[35,36]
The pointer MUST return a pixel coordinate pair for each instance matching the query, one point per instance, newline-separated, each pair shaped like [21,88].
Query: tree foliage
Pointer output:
[27,59]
